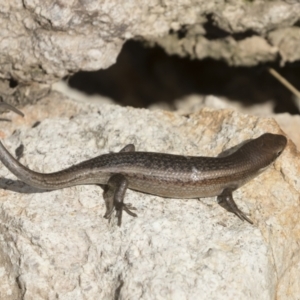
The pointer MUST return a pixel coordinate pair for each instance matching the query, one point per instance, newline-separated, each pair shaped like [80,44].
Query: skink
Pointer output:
[165,175]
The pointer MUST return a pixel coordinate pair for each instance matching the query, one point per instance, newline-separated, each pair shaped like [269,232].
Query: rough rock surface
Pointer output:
[43,41]
[290,124]
[57,245]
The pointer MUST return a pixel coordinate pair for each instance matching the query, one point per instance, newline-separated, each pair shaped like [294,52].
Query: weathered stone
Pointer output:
[43,41]
[57,244]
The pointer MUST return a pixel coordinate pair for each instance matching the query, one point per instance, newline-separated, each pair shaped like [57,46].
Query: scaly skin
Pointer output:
[165,175]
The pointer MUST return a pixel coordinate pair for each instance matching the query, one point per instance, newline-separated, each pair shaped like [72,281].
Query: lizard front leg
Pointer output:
[114,194]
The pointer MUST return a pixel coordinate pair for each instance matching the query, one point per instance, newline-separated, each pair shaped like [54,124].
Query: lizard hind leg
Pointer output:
[114,194]
[227,202]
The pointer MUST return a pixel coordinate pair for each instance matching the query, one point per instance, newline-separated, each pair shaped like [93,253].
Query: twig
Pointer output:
[288,85]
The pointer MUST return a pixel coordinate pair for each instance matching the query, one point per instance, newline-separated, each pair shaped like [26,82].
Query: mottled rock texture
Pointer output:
[57,245]
[43,41]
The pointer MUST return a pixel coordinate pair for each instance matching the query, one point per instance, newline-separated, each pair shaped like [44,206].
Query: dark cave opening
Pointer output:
[143,76]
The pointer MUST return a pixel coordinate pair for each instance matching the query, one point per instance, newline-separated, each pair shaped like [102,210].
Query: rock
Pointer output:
[57,245]
[44,41]
[287,41]
[290,125]
[194,103]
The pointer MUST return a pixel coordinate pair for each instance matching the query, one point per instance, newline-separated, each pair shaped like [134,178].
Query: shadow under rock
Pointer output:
[19,186]
[144,76]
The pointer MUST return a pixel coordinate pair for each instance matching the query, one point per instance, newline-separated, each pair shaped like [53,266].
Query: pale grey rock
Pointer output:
[257,16]
[59,246]
[247,52]
[44,41]
[290,124]
[194,103]
[287,40]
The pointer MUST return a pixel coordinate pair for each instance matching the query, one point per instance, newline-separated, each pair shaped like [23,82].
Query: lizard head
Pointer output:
[272,143]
